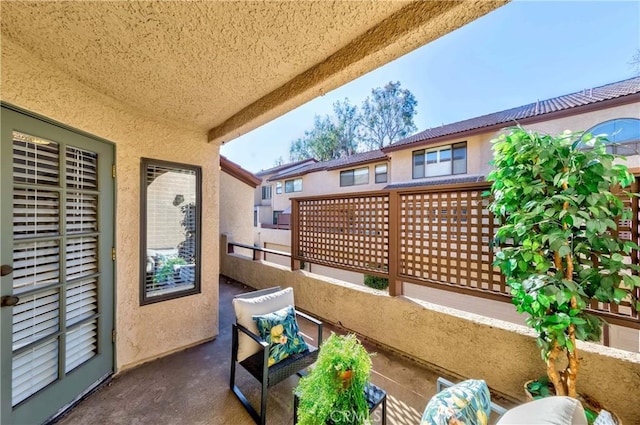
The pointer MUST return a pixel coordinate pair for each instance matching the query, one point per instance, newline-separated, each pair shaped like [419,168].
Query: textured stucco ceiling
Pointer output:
[226,67]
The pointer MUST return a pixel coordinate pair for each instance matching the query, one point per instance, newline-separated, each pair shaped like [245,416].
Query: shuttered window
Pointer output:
[55,213]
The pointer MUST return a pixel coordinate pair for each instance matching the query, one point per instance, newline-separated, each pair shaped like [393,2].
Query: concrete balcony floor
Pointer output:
[192,386]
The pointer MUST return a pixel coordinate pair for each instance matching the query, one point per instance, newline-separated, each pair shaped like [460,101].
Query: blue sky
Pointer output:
[522,52]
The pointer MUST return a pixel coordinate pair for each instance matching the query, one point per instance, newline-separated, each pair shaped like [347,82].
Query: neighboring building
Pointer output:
[236,188]
[461,152]
[263,211]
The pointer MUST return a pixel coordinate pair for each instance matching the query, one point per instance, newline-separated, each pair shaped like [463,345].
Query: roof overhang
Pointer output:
[225,67]
[239,173]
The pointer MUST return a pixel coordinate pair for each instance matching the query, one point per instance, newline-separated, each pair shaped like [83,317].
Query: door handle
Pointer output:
[9,301]
[5,270]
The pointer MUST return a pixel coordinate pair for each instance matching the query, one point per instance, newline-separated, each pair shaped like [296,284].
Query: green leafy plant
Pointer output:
[558,245]
[334,390]
[376,282]
[165,271]
[540,388]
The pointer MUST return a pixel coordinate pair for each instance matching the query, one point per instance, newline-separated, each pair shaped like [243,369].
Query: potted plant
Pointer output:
[333,392]
[557,244]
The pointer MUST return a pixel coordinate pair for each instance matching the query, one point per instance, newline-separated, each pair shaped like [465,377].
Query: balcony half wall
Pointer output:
[448,340]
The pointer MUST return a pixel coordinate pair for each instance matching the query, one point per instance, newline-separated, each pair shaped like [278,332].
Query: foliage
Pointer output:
[334,390]
[376,282]
[634,63]
[187,248]
[165,271]
[330,137]
[387,116]
[541,388]
[559,246]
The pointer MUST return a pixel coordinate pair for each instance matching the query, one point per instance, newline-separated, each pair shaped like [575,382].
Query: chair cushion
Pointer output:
[547,411]
[245,308]
[468,403]
[281,331]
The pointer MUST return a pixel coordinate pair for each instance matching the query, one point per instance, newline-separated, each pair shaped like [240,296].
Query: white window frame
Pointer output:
[295,186]
[353,178]
[379,174]
[439,161]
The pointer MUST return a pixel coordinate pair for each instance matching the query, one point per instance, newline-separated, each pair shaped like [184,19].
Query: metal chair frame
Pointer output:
[257,364]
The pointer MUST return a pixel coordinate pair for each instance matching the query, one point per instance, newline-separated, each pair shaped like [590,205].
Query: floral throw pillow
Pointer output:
[467,403]
[281,331]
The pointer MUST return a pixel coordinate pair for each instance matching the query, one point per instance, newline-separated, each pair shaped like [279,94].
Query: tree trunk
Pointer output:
[552,372]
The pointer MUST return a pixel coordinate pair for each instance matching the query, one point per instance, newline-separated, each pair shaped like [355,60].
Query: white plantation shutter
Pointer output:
[35,213]
[81,213]
[81,218]
[81,345]
[33,370]
[35,160]
[82,257]
[65,213]
[35,264]
[35,317]
[82,298]
[81,168]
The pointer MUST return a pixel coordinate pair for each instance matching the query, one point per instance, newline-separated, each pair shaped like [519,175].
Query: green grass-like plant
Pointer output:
[558,245]
[376,282]
[333,392]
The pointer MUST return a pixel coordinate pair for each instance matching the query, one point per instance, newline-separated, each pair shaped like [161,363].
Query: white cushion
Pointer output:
[245,308]
[546,411]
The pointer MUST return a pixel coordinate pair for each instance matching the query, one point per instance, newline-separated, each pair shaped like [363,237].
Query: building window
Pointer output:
[275,216]
[266,192]
[293,185]
[623,135]
[170,230]
[381,173]
[440,161]
[354,177]
[278,188]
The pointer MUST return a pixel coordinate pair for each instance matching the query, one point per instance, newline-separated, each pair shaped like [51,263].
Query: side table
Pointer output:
[374,395]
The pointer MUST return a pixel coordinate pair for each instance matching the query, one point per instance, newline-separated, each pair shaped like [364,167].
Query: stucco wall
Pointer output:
[236,209]
[143,333]
[460,343]
[479,146]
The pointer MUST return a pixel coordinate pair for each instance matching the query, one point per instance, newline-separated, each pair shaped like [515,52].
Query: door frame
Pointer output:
[6,255]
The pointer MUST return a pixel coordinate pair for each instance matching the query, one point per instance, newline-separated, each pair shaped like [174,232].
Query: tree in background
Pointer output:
[635,62]
[278,162]
[387,116]
[331,136]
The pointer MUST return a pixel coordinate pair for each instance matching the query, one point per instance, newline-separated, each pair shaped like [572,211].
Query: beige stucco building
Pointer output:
[599,109]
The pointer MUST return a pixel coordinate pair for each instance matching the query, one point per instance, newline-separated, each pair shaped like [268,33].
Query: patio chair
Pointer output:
[469,402]
[252,351]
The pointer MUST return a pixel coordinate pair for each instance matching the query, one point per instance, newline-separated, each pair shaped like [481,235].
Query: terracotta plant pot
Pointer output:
[345,376]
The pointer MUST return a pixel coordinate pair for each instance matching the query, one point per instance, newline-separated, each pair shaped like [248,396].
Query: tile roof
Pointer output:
[238,172]
[333,164]
[431,182]
[282,167]
[513,115]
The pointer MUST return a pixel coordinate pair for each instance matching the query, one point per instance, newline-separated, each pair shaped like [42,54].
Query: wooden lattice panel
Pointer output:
[445,237]
[349,232]
[627,230]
